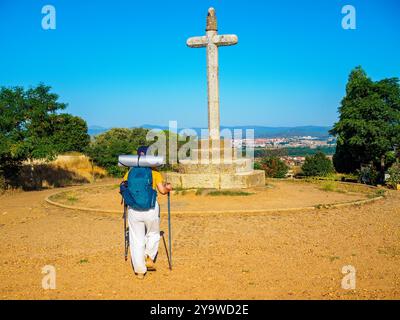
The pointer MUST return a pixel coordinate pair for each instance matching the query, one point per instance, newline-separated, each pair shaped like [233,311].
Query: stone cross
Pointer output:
[212,41]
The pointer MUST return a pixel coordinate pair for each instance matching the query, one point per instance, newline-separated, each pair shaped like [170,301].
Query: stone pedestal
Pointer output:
[216,173]
[242,180]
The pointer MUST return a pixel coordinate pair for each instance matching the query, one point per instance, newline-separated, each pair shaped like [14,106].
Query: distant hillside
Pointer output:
[95,130]
[272,132]
[259,131]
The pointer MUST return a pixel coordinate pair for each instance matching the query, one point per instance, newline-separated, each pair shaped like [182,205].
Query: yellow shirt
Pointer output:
[157,178]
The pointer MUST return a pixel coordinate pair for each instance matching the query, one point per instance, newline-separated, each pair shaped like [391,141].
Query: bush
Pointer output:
[3,184]
[317,165]
[106,148]
[273,167]
[394,173]
[367,175]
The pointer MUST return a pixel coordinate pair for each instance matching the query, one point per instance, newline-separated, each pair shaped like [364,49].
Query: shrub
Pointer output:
[3,184]
[317,165]
[257,166]
[394,173]
[367,175]
[273,167]
[106,147]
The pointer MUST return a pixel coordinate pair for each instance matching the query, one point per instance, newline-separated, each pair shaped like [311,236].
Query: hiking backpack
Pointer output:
[138,192]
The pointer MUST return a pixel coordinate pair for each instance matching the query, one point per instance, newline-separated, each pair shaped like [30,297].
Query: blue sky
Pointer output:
[125,63]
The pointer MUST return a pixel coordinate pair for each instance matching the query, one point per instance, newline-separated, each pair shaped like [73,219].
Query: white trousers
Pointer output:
[144,236]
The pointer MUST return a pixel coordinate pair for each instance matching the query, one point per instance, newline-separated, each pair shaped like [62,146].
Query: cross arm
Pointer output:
[225,40]
[197,42]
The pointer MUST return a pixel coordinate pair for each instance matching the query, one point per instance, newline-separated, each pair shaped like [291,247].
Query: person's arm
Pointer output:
[164,188]
[125,178]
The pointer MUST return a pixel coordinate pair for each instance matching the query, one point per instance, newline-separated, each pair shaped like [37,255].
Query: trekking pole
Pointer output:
[166,249]
[169,231]
[126,233]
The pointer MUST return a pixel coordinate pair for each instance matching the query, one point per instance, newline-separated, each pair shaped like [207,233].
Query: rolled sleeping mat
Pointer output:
[142,161]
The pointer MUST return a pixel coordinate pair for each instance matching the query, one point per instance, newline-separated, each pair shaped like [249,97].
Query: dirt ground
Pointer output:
[290,255]
[276,195]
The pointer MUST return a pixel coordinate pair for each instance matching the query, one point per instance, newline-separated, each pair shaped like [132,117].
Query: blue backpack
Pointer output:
[138,192]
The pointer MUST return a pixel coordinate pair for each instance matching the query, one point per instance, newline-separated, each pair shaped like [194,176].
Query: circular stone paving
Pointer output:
[277,195]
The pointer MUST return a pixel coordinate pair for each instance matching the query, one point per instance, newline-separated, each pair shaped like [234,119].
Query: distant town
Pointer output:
[287,142]
[291,150]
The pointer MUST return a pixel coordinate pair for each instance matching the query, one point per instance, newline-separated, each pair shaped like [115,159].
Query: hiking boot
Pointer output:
[140,276]
[150,264]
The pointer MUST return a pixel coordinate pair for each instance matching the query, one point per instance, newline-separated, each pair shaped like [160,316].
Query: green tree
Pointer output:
[70,133]
[317,165]
[40,106]
[12,132]
[31,128]
[106,147]
[26,129]
[273,167]
[369,124]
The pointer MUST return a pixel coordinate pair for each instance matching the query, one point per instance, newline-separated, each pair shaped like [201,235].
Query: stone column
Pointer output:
[213,88]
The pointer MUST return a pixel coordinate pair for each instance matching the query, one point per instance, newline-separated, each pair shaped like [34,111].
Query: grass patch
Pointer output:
[72,199]
[65,197]
[199,192]
[178,190]
[390,251]
[328,186]
[229,193]
[322,206]
[83,261]
[331,259]
[377,193]
[331,186]
[334,177]
[57,196]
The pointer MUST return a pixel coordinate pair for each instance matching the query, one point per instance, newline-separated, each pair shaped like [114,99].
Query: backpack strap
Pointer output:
[151,177]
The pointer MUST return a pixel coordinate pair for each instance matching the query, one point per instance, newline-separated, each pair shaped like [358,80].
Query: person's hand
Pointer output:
[168,186]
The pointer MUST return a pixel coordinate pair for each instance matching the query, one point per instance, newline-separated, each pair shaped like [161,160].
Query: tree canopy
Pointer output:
[273,167]
[369,124]
[317,165]
[106,147]
[70,133]
[31,127]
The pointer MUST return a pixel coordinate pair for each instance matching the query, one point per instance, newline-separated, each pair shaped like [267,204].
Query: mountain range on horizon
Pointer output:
[259,131]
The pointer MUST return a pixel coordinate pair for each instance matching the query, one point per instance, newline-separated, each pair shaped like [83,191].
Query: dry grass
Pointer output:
[79,164]
[66,170]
